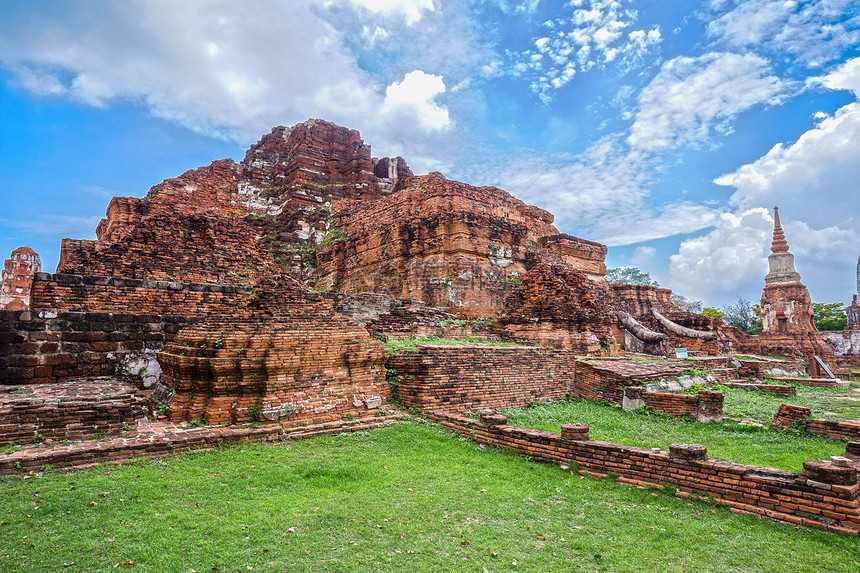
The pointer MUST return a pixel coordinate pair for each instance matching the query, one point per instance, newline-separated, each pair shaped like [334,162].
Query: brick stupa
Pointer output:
[786,307]
[16,280]
[854,309]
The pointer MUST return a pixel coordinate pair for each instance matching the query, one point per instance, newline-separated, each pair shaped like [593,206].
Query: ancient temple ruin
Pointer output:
[17,278]
[249,300]
[854,309]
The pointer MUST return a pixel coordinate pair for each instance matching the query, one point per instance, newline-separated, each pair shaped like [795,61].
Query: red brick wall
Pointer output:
[89,293]
[284,354]
[825,495]
[49,347]
[474,377]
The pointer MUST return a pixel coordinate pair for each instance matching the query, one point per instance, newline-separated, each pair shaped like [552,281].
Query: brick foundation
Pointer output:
[705,406]
[72,411]
[783,390]
[606,379]
[161,440]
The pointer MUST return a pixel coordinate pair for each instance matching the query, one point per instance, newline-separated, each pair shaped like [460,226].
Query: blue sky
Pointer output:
[666,130]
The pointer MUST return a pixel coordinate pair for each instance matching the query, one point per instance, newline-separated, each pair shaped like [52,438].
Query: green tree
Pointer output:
[686,304]
[629,276]
[712,312]
[830,316]
[743,315]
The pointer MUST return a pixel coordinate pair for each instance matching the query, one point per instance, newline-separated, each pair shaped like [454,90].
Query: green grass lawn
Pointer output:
[727,440]
[829,403]
[404,498]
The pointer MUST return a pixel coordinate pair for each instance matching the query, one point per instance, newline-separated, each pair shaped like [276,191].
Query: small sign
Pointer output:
[681,353]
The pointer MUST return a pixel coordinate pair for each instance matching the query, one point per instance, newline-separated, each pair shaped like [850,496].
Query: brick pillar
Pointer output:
[710,406]
[688,452]
[574,432]
[787,416]
[838,471]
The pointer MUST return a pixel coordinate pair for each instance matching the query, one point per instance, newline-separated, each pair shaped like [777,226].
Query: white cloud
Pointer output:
[596,33]
[812,32]
[411,10]
[217,67]
[691,98]
[817,175]
[602,194]
[643,256]
[731,260]
[845,77]
[414,97]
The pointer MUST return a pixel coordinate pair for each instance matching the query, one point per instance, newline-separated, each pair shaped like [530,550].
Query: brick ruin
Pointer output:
[846,343]
[283,354]
[200,297]
[786,307]
[826,495]
[17,277]
[854,309]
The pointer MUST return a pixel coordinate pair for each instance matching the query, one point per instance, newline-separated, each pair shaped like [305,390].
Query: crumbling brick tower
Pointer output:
[786,307]
[17,278]
[854,309]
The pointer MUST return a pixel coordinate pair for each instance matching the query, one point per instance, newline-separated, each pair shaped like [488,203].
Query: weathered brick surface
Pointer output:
[17,277]
[788,416]
[472,377]
[71,411]
[564,308]
[606,379]
[705,405]
[440,241]
[281,354]
[49,347]
[826,495]
[229,222]
[92,293]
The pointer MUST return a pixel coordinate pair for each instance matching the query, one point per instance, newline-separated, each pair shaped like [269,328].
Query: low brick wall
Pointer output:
[783,390]
[788,416]
[45,347]
[826,495]
[704,406]
[73,411]
[79,293]
[472,377]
